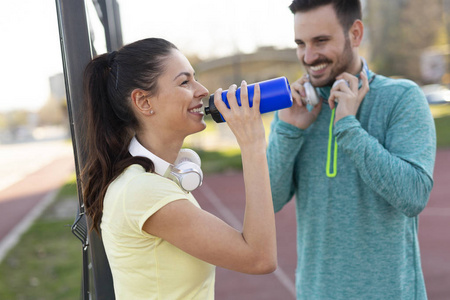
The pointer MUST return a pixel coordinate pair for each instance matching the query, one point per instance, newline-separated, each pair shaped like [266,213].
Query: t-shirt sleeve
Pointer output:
[145,194]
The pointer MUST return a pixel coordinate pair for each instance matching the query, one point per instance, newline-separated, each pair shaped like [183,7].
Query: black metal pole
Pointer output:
[76,53]
[110,18]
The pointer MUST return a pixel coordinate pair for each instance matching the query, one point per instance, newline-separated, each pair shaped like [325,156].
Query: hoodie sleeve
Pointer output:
[285,142]
[401,170]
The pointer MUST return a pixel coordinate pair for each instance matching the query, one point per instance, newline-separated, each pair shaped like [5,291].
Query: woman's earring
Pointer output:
[152,112]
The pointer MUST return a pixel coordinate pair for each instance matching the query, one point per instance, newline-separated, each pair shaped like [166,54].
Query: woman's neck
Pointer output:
[163,147]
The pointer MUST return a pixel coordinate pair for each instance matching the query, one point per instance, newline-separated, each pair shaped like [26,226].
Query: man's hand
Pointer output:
[348,95]
[298,115]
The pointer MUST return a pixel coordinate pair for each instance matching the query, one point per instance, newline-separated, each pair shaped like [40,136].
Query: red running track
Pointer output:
[223,195]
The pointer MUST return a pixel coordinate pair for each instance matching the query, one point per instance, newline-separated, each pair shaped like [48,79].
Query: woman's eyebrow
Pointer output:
[184,73]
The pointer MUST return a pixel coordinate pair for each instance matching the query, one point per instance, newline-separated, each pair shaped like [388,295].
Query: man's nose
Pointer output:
[310,55]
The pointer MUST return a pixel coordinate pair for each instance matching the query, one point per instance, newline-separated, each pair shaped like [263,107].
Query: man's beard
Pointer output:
[342,64]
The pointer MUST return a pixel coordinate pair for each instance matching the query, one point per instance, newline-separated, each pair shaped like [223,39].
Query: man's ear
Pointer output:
[356,33]
[142,101]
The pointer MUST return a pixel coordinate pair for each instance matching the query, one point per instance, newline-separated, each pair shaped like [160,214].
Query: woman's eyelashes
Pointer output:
[185,82]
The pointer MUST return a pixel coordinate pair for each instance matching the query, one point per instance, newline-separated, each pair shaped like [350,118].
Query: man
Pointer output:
[360,164]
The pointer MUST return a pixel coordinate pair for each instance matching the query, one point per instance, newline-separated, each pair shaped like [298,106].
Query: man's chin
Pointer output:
[322,82]
[318,80]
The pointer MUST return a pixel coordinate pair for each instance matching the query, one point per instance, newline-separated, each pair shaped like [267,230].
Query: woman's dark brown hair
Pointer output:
[109,80]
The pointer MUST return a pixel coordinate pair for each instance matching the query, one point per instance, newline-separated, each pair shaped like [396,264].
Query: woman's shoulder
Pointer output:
[135,181]
[141,192]
[135,177]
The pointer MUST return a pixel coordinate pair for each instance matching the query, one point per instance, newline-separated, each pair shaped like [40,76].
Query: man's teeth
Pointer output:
[196,110]
[319,67]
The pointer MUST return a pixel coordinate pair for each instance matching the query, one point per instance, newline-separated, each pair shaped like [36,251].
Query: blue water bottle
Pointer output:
[275,95]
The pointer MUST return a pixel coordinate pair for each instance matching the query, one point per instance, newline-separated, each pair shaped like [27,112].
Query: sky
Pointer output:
[30,48]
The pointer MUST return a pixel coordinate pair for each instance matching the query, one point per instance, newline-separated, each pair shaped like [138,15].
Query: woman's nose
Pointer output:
[202,91]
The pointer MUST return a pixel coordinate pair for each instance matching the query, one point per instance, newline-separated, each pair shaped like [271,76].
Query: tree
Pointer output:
[399,31]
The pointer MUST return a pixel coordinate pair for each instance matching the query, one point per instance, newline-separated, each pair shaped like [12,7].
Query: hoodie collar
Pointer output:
[324,92]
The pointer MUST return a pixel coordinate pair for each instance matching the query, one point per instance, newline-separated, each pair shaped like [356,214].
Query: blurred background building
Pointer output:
[403,38]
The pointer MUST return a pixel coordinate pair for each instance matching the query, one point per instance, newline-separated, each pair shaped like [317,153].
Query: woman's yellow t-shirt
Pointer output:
[145,266]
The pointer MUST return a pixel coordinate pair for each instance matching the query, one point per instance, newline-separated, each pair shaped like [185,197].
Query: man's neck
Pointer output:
[356,66]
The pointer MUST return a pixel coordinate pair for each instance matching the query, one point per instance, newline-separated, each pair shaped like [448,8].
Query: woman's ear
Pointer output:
[142,101]
[356,33]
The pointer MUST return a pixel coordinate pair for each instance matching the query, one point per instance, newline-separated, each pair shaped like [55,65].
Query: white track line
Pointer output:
[232,220]
[11,239]
[226,213]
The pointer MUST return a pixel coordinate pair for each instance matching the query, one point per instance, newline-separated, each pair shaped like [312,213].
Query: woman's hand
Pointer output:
[244,121]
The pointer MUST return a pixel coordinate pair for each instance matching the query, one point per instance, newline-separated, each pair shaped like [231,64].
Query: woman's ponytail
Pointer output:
[110,123]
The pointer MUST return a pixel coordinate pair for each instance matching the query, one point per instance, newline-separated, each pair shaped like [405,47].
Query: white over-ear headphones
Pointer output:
[186,171]
[311,95]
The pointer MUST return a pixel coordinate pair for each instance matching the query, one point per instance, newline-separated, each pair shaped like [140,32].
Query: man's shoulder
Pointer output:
[393,83]
[396,93]
[395,89]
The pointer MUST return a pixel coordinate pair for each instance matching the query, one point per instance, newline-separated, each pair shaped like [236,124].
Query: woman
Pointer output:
[142,102]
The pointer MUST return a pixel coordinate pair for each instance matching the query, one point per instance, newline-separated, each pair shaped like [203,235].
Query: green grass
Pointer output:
[441,114]
[46,263]
[220,161]
[440,110]
[443,131]
[69,189]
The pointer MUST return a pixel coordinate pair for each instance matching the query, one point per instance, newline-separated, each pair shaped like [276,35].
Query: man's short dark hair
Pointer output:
[347,11]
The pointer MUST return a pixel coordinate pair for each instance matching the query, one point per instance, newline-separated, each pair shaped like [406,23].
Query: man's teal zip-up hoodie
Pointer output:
[357,231]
